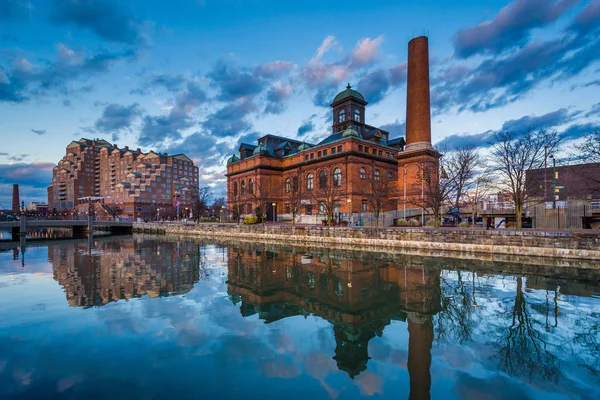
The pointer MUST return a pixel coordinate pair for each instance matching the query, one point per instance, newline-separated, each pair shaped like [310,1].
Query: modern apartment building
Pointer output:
[122,182]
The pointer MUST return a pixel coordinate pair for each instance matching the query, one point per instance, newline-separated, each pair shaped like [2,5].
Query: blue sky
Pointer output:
[199,76]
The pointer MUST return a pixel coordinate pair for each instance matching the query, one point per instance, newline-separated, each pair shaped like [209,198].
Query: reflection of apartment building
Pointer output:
[130,183]
[358,299]
[123,269]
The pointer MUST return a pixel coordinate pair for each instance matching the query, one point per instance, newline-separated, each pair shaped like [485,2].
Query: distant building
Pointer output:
[37,207]
[131,183]
[16,203]
[579,181]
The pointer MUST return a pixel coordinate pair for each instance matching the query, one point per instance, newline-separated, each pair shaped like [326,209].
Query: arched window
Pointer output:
[295,184]
[288,185]
[309,181]
[357,115]
[322,180]
[362,172]
[250,186]
[376,175]
[342,116]
[390,175]
[243,188]
[337,177]
[235,189]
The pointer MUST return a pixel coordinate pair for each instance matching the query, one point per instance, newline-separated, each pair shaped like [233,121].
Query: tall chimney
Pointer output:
[16,206]
[418,115]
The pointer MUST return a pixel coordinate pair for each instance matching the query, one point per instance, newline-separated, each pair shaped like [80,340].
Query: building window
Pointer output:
[322,208]
[308,209]
[324,152]
[387,155]
[243,188]
[306,157]
[342,116]
[288,185]
[318,154]
[337,177]
[337,206]
[250,186]
[380,153]
[363,206]
[362,172]
[374,152]
[309,182]
[376,174]
[295,184]
[357,115]
[360,148]
[312,155]
[333,150]
[322,179]
[390,175]
[339,149]
[288,209]
[366,149]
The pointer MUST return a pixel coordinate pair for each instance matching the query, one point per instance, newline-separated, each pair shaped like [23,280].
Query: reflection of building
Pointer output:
[131,183]
[115,270]
[359,299]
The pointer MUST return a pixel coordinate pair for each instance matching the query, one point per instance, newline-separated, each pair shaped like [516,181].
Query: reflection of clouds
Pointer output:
[369,383]
[68,382]
[279,367]
[496,387]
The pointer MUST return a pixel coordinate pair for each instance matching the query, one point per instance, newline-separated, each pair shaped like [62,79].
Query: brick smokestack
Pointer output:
[418,114]
[16,206]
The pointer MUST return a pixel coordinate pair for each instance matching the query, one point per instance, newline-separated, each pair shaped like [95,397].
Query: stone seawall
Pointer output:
[531,243]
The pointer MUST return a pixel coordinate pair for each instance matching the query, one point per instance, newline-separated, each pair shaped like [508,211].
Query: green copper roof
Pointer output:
[350,133]
[261,149]
[349,92]
[232,159]
[303,147]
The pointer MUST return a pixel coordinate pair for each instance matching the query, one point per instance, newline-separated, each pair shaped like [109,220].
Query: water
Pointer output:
[156,318]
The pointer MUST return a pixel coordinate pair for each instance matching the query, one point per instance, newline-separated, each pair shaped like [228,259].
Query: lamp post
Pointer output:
[349,201]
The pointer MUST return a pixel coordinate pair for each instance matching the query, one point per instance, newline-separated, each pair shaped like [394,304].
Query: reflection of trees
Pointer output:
[455,324]
[587,338]
[523,348]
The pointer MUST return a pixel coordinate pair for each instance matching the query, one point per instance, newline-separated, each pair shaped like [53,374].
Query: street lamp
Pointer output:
[553,181]
[349,201]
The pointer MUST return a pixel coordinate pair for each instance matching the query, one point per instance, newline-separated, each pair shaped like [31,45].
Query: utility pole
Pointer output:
[553,181]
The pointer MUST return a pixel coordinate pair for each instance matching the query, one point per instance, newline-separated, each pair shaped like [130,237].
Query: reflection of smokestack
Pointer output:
[15,199]
[420,331]
[418,117]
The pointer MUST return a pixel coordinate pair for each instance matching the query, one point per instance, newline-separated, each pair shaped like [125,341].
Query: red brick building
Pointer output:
[130,183]
[358,167]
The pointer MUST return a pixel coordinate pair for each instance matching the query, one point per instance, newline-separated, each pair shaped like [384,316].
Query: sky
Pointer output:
[202,76]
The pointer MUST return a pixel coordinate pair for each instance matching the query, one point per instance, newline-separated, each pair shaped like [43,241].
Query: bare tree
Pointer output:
[217,205]
[439,186]
[513,154]
[462,164]
[292,194]
[200,199]
[327,196]
[478,189]
[589,150]
[379,192]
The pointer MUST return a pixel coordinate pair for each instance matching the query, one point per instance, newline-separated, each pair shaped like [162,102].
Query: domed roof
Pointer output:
[303,147]
[350,133]
[232,159]
[261,149]
[349,92]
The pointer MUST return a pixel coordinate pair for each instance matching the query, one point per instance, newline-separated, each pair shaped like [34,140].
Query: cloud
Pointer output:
[15,9]
[107,19]
[306,127]
[378,83]
[594,112]
[25,78]
[233,82]
[171,83]
[116,117]
[366,51]
[36,174]
[457,141]
[157,129]
[231,119]
[18,158]
[592,83]
[276,97]
[39,131]
[396,129]
[587,20]
[577,131]
[545,121]
[275,69]
[204,148]
[510,28]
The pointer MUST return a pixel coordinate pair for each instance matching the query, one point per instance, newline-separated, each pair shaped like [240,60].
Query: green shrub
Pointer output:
[413,222]
[402,222]
[464,224]
[250,220]
[430,222]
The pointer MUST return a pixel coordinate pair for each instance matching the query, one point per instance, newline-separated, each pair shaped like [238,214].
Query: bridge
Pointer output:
[78,226]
